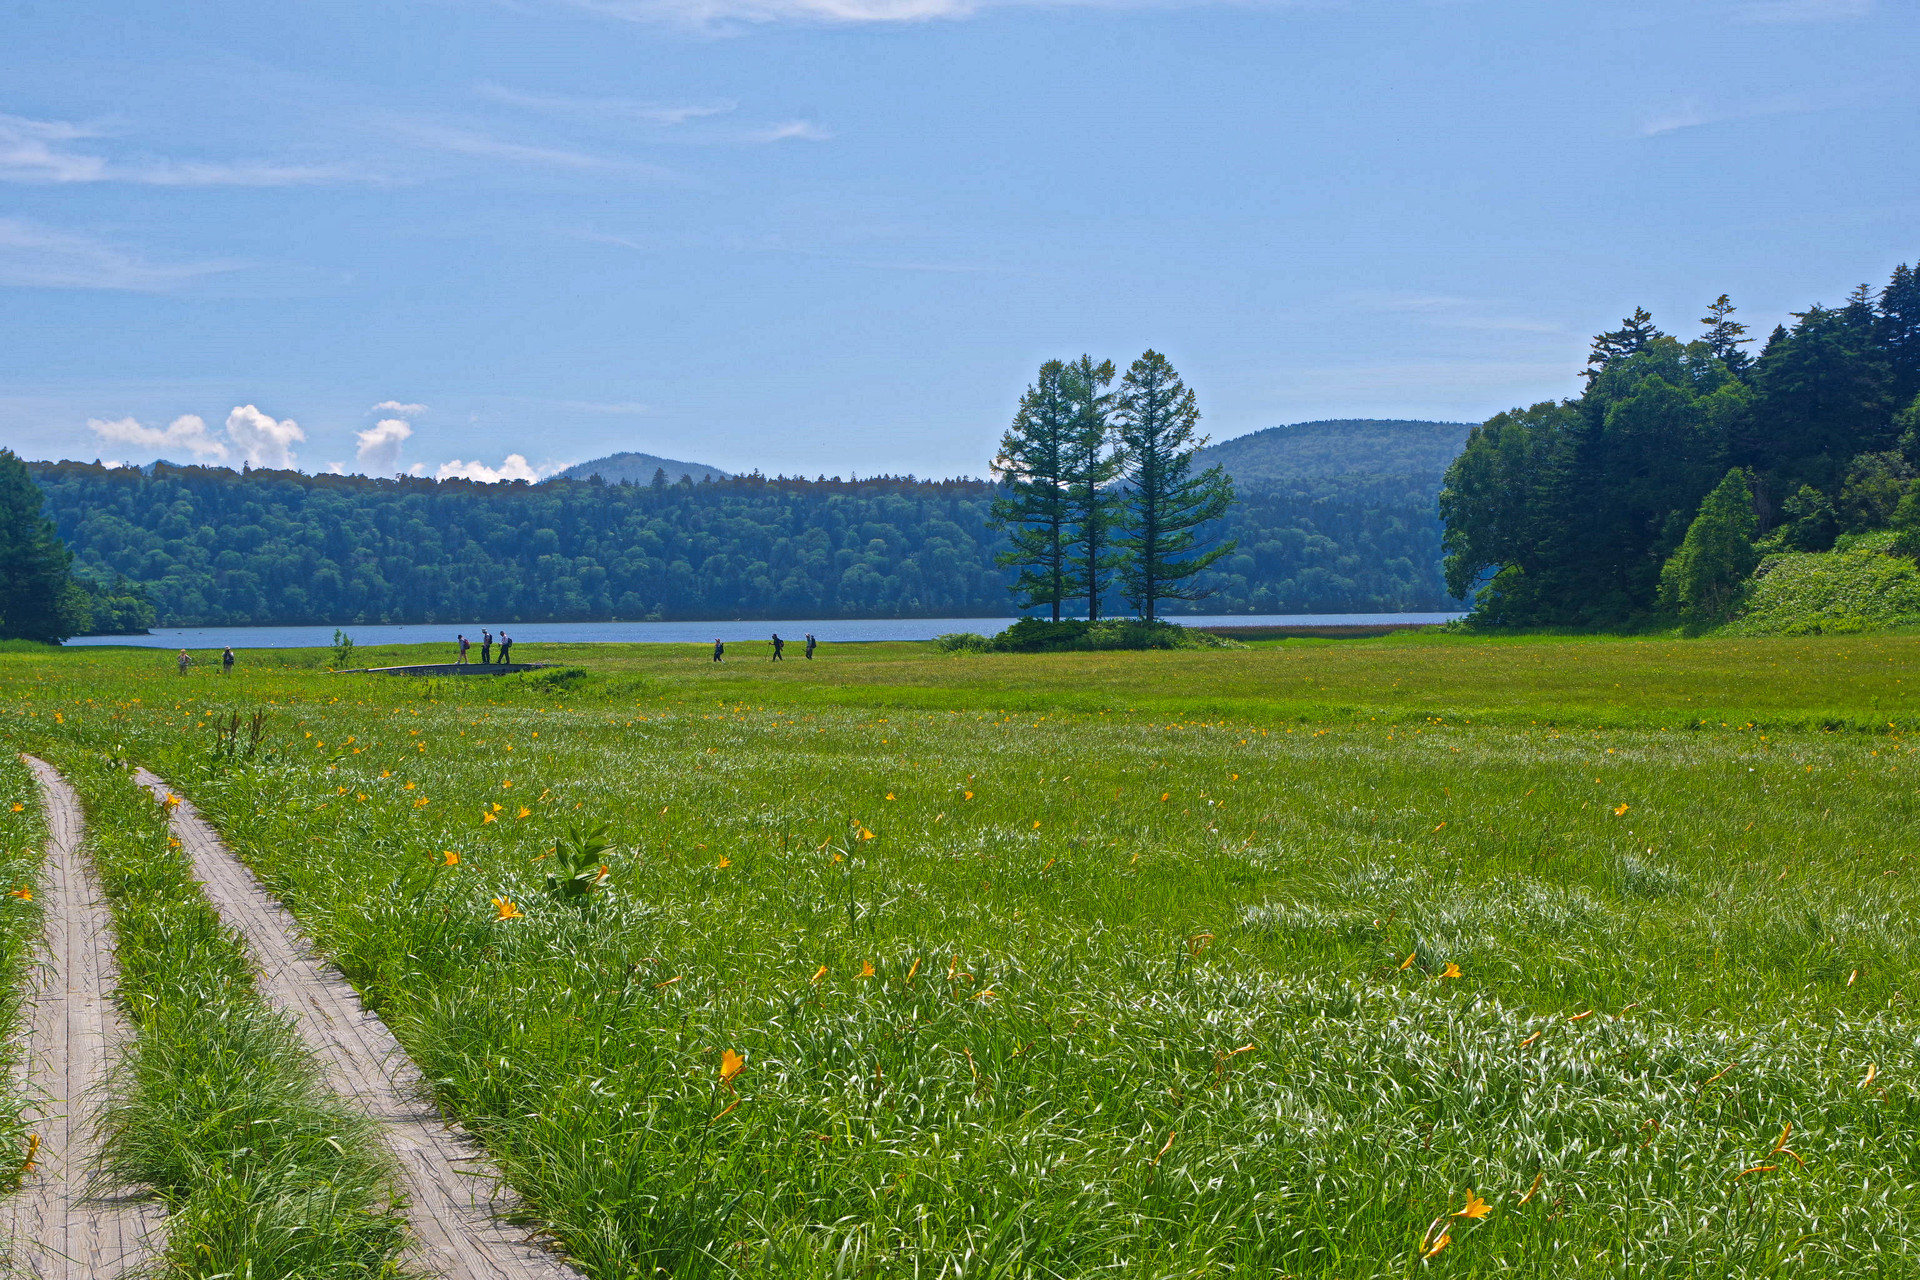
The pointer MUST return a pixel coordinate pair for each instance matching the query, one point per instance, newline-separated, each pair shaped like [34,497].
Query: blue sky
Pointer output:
[839,235]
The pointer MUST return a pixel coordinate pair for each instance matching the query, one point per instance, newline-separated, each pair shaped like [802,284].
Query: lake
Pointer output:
[828,630]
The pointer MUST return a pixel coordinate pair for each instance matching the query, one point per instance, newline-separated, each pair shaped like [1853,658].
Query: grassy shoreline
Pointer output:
[1665,947]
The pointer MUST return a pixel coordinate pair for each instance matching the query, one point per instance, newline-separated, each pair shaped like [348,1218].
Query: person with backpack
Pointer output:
[226,662]
[779,646]
[810,643]
[719,650]
[486,648]
[506,649]
[465,644]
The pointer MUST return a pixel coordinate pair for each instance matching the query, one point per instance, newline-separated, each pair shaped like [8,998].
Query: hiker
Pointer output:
[185,660]
[810,643]
[506,648]
[778,646]
[226,662]
[486,648]
[465,644]
[719,650]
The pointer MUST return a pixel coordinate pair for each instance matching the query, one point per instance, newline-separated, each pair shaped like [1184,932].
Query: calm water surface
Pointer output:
[829,631]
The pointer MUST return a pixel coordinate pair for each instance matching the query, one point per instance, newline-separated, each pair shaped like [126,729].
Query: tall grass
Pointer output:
[216,1106]
[1151,994]
[23,834]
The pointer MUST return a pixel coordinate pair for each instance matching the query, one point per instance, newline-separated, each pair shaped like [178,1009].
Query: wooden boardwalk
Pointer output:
[456,1199]
[58,1224]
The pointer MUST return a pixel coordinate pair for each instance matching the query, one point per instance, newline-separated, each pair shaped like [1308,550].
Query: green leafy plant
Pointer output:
[342,649]
[579,861]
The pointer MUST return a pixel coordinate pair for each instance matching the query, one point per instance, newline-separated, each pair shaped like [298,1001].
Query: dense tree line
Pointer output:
[1568,513]
[211,546]
[41,597]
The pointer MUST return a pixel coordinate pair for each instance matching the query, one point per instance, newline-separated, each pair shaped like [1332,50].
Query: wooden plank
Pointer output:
[59,1225]
[456,1199]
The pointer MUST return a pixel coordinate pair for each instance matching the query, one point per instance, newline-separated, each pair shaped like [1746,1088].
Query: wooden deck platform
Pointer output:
[448,669]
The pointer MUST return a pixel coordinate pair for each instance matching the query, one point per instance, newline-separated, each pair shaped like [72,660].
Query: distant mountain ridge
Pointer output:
[1342,447]
[639,468]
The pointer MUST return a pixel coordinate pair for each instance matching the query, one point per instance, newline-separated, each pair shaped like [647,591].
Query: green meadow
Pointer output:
[1425,955]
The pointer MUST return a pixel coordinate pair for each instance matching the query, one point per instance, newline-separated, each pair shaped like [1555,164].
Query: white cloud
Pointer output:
[263,441]
[398,409]
[417,469]
[516,467]
[188,431]
[43,258]
[804,130]
[30,152]
[379,451]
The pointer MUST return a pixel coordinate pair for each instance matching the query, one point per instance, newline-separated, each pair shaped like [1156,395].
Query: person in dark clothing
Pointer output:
[226,662]
[465,644]
[719,650]
[506,648]
[486,648]
[778,646]
[810,643]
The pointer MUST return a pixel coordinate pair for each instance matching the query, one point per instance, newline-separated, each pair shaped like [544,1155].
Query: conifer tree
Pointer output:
[1634,335]
[1091,500]
[1900,331]
[1036,466]
[38,598]
[1725,335]
[1164,501]
[1704,578]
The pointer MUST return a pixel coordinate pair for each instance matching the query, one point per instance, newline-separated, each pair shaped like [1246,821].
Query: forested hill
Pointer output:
[1343,447]
[639,468]
[216,547]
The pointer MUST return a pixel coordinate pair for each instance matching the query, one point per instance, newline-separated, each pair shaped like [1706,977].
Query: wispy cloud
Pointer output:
[399,408]
[1799,11]
[804,130]
[33,151]
[470,142]
[44,258]
[1691,114]
[731,13]
[606,108]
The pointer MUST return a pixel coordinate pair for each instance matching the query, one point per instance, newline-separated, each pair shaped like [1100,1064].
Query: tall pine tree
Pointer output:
[1164,501]
[38,598]
[1036,465]
[1091,499]
[1725,335]
[1704,578]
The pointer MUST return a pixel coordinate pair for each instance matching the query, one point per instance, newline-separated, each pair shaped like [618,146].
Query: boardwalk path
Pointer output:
[456,1199]
[55,1227]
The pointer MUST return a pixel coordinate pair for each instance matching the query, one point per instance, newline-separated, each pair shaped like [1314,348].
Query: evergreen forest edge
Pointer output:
[1683,474]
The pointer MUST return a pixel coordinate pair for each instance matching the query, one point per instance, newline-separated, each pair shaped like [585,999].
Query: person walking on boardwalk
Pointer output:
[719,650]
[506,649]
[185,660]
[779,646]
[486,647]
[810,643]
[226,662]
[465,644]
